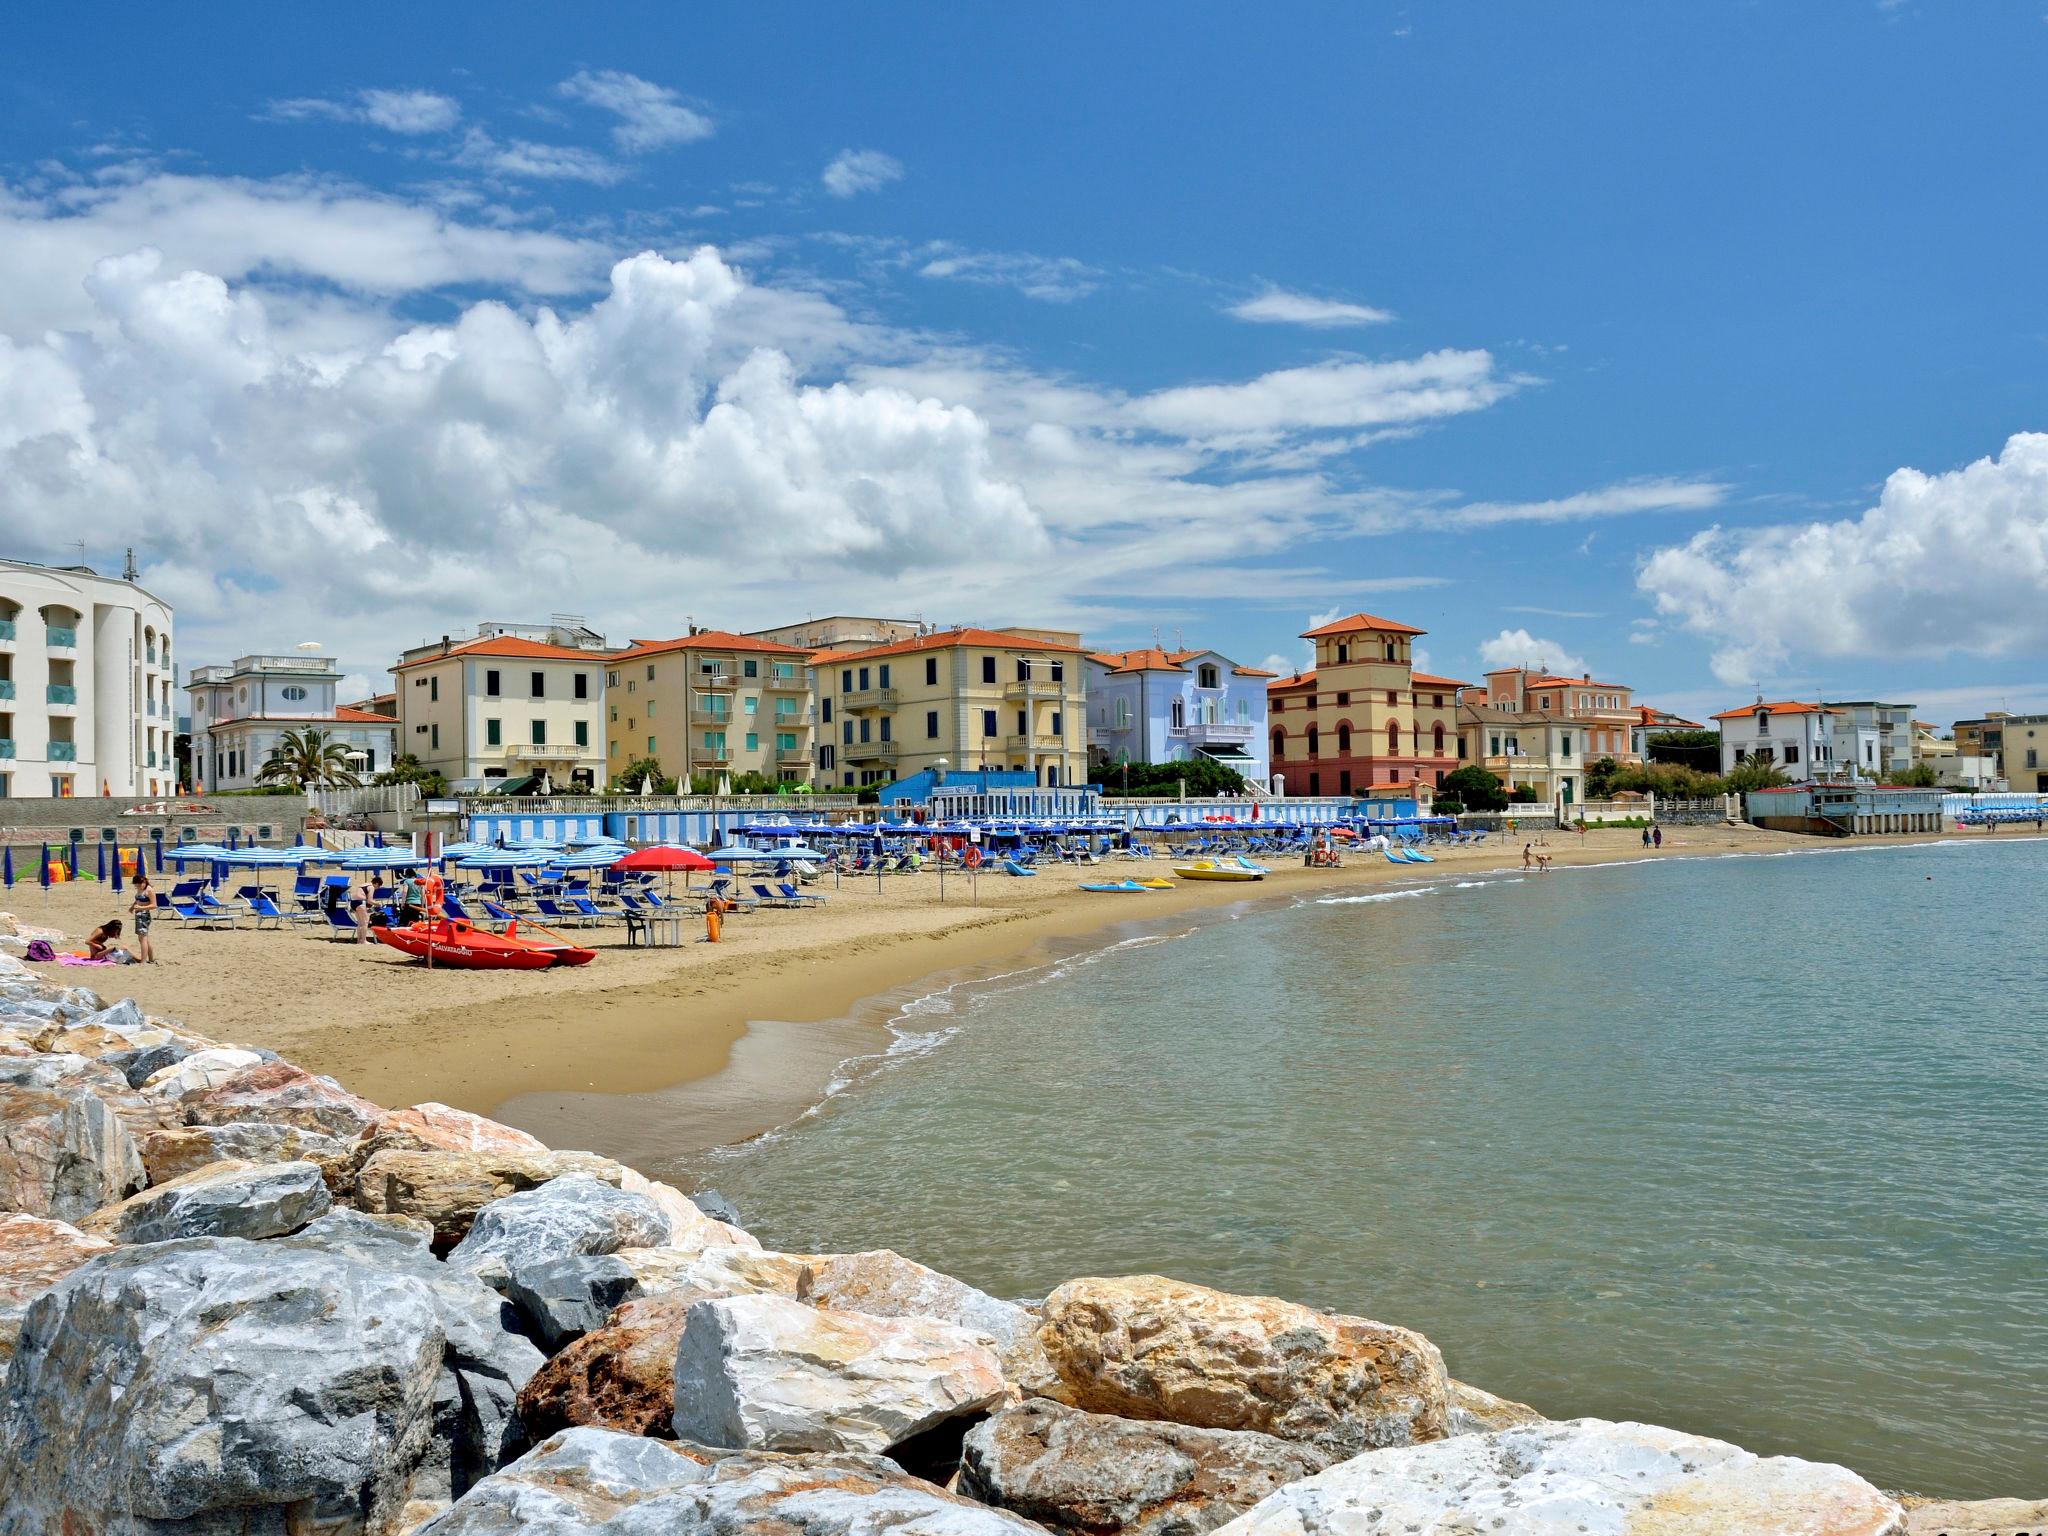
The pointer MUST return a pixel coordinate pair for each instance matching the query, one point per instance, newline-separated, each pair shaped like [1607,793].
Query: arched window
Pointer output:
[1311,741]
[1343,738]
[1180,713]
[1209,677]
[1394,738]
[1279,745]
[1437,736]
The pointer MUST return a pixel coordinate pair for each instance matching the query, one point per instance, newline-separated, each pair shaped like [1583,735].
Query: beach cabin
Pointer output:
[1846,810]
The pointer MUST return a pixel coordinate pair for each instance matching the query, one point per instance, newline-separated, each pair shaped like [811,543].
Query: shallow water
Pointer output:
[1756,1147]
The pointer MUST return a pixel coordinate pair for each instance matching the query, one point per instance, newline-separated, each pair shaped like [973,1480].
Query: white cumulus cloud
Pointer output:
[1278,306]
[1519,648]
[1944,564]
[853,171]
[650,116]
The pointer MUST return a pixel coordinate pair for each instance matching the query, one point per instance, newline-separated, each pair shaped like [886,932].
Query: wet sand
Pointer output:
[735,1037]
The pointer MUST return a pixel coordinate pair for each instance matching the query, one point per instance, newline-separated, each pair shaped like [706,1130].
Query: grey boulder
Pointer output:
[65,1148]
[565,1298]
[1092,1473]
[575,1214]
[227,1199]
[597,1482]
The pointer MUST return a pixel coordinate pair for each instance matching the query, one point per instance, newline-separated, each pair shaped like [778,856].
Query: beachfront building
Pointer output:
[2018,744]
[88,690]
[1524,749]
[970,698]
[1795,737]
[842,632]
[1875,738]
[710,702]
[1604,714]
[241,710]
[1155,706]
[1363,717]
[1651,723]
[507,709]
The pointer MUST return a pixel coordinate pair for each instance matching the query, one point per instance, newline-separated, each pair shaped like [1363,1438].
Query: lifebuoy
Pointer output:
[972,858]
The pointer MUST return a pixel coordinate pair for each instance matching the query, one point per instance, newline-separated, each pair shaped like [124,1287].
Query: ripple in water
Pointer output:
[1750,1147]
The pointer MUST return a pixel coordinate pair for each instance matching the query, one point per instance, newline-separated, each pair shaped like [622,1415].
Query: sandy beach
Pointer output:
[752,1026]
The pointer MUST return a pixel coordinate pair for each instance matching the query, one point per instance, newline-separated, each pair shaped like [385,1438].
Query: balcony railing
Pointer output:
[775,682]
[1218,732]
[715,680]
[539,751]
[63,751]
[6,746]
[717,756]
[868,698]
[1034,688]
[869,752]
[1037,741]
[56,637]
[6,687]
[60,693]
[7,630]
[792,757]
[700,715]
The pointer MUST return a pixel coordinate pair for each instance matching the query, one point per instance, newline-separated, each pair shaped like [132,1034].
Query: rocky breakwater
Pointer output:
[235,1298]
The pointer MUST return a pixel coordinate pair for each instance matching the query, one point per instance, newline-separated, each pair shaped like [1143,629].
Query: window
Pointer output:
[988,673]
[714,743]
[1394,737]
[1437,739]
[1343,738]
[1791,752]
[988,716]
[1344,781]
[537,685]
[785,743]
[931,724]
[1343,699]
[615,714]
[1343,650]
[650,746]
[750,705]
[493,733]
[491,683]
[1058,724]
[846,732]
[1023,670]
[863,679]
[1763,722]
[1059,671]
[1313,740]
[650,708]
[885,727]
[1177,713]
[294,693]
[866,725]
[882,675]
[434,689]
[611,679]
[750,668]
[1565,742]
[1393,696]
[1437,699]
[538,732]
[583,733]
[582,687]
[846,681]
[650,671]
[753,742]
[632,685]
[1315,783]
[1209,676]
[1279,745]
[1023,723]
[825,712]
[434,737]
[931,671]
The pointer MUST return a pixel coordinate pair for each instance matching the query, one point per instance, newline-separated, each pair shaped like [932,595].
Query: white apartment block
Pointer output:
[88,690]
[241,710]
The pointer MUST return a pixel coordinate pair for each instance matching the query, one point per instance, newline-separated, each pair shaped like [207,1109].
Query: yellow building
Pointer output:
[504,707]
[978,698]
[1524,748]
[1364,718]
[710,702]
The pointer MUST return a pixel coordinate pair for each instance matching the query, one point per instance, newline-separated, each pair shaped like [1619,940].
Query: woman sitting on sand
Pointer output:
[99,944]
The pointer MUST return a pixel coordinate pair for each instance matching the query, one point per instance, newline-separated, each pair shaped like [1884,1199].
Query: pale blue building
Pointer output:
[1154,706]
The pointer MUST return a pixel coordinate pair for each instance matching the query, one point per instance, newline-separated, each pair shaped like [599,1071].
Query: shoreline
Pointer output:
[681,1051]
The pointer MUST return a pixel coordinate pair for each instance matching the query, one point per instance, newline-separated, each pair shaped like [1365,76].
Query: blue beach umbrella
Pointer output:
[43,868]
[73,863]
[7,867]
[298,839]
[117,866]
[100,861]
[159,855]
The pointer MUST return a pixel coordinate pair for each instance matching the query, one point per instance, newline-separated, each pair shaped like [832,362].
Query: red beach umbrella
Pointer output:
[664,856]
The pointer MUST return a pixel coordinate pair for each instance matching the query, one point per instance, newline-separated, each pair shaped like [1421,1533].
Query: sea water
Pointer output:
[1756,1147]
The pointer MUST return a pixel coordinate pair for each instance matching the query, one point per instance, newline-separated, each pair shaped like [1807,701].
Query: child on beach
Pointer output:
[142,912]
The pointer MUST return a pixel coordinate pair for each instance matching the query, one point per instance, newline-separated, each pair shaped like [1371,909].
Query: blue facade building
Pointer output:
[1154,706]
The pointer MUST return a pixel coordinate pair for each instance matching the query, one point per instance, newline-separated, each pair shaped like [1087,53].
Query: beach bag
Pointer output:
[39,949]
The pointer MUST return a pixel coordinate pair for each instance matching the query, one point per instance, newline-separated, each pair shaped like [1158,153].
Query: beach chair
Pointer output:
[190,912]
[494,911]
[798,898]
[727,892]
[590,910]
[561,916]
[339,924]
[452,905]
[1012,867]
[261,906]
[768,898]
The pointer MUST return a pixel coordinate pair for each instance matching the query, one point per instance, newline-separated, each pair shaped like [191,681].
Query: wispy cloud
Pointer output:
[1553,613]
[1052,279]
[525,160]
[406,112]
[854,171]
[650,116]
[1280,306]
[1659,495]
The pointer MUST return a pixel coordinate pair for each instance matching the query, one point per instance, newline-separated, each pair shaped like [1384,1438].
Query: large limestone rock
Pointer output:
[592,1482]
[770,1373]
[236,1199]
[1980,1517]
[238,1386]
[1580,1476]
[689,1227]
[620,1376]
[1094,1474]
[1146,1347]
[448,1188]
[184,1148]
[434,1127]
[574,1214]
[282,1094]
[1474,1411]
[567,1297]
[885,1284]
[35,1253]
[65,1148]
[199,1071]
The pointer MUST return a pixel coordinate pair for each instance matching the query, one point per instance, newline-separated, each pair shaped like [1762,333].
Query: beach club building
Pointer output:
[710,702]
[88,690]
[1524,749]
[1155,706]
[241,710]
[965,698]
[1363,717]
[507,706]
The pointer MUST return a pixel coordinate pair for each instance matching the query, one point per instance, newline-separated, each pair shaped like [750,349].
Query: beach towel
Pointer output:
[81,960]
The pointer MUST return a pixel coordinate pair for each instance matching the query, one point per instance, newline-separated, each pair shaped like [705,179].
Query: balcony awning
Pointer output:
[1228,755]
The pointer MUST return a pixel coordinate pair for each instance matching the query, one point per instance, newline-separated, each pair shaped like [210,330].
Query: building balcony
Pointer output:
[6,631]
[794,757]
[869,752]
[719,680]
[868,698]
[710,757]
[717,719]
[60,693]
[1034,688]
[60,639]
[1217,733]
[1037,741]
[774,683]
[6,746]
[63,751]
[6,687]
[539,752]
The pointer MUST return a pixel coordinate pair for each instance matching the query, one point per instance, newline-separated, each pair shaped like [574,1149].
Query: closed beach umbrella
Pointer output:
[73,860]
[100,861]
[117,866]
[43,868]
[159,855]
[7,867]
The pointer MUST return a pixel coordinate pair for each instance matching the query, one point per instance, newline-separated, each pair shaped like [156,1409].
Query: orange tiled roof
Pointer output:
[706,640]
[1361,621]
[945,639]
[1430,680]
[1570,682]
[507,645]
[1783,707]
[1665,718]
[1255,672]
[1299,680]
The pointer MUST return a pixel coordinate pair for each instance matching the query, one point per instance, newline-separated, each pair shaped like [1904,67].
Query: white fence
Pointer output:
[369,800]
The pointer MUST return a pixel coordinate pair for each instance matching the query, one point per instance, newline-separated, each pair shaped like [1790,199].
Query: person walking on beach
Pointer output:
[141,912]
[1646,837]
[1528,855]
[1657,836]
[359,910]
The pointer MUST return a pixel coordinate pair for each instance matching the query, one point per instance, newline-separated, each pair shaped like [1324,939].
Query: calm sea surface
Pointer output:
[1755,1147]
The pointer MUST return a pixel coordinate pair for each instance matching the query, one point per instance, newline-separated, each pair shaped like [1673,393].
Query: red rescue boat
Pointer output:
[463,946]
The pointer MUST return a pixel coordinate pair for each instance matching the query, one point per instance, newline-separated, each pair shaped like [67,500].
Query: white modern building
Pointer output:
[241,710]
[1798,739]
[1874,738]
[88,690]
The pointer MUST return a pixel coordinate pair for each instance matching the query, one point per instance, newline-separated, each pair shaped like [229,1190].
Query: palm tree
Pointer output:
[308,757]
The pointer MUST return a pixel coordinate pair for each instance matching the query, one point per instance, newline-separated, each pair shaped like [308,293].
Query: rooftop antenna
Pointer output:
[128,570]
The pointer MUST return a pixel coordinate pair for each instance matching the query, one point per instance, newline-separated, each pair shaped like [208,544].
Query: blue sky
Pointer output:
[1700,346]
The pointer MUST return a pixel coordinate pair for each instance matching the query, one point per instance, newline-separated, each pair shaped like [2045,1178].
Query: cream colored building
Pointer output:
[710,702]
[978,698]
[504,707]
[1525,748]
[242,709]
[842,632]
[1604,714]
[88,690]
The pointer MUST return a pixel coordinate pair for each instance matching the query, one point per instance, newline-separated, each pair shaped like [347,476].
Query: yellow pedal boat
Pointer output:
[1209,869]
